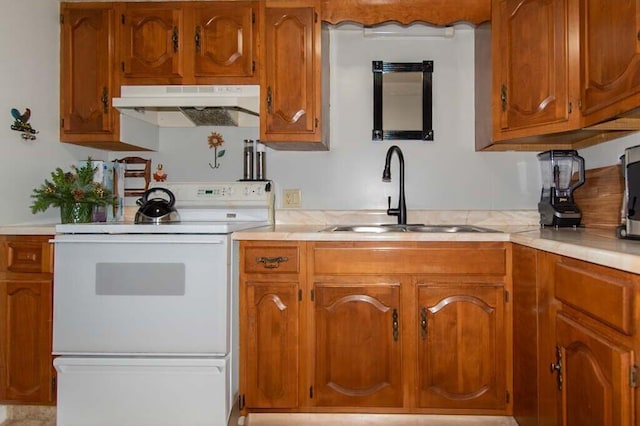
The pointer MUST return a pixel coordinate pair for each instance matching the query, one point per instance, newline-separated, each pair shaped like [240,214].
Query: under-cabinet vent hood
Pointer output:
[190,106]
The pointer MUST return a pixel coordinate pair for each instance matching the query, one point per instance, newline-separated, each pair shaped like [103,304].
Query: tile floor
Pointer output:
[374,420]
[45,416]
[30,415]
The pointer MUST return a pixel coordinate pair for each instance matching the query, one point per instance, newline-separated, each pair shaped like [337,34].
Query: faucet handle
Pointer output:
[392,211]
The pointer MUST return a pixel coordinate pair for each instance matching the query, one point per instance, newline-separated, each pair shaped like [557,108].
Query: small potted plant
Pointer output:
[74,192]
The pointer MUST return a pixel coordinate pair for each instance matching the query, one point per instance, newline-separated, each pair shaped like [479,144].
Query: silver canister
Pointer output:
[248,160]
[261,161]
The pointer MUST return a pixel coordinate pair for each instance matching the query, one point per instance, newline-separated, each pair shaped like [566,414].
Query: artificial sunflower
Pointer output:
[215,140]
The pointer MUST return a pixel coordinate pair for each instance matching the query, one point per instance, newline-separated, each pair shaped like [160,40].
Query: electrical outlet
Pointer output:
[291,198]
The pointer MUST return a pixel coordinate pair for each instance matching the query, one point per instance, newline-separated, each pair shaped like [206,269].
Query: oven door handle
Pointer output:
[118,241]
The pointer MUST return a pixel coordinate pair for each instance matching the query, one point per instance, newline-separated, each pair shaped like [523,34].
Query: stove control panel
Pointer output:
[215,193]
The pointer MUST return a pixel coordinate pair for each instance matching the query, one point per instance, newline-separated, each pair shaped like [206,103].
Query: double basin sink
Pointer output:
[407,228]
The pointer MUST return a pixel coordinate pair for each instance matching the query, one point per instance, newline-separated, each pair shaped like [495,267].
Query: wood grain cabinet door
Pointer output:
[531,84]
[152,43]
[461,346]
[270,344]
[87,73]
[357,345]
[595,377]
[290,90]
[223,40]
[610,52]
[26,370]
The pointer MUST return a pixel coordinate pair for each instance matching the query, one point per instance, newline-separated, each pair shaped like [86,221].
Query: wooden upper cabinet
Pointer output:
[224,40]
[531,64]
[290,108]
[188,42]
[565,74]
[435,12]
[610,52]
[152,43]
[87,75]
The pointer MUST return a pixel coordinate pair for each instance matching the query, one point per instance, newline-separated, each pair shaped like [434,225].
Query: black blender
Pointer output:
[562,172]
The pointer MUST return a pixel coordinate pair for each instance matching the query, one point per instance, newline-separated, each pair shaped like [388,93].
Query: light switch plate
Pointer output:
[291,198]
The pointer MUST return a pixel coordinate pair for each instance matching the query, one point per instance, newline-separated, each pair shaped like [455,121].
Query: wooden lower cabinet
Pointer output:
[462,346]
[271,311]
[357,344]
[575,342]
[270,306]
[594,377]
[373,327]
[26,298]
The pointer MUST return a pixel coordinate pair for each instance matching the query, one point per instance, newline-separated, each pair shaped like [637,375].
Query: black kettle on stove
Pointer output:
[157,209]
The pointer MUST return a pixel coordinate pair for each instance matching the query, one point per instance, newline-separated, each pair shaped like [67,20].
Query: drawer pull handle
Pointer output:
[423,323]
[272,262]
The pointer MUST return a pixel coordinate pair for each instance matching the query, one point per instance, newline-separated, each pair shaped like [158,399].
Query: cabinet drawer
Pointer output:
[605,297]
[271,259]
[477,259]
[30,256]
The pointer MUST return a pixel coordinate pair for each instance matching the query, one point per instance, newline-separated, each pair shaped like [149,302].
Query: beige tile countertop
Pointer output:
[591,245]
[36,229]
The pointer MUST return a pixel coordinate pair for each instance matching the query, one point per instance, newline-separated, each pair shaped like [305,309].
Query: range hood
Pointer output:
[190,106]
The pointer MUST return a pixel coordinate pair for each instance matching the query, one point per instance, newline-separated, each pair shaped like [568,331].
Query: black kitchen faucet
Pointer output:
[401,210]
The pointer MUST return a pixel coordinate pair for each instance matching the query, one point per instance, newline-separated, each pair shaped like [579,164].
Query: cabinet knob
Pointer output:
[174,39]
[395,325]
[503,97]
[197,39]
[557,367]
[423,323]
[269,99]
[105,100]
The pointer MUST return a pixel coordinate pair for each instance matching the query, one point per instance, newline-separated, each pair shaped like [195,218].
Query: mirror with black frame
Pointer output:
[402,95]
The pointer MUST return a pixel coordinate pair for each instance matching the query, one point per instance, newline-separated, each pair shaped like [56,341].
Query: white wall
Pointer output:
[608,153]
[29,50]
[444,174]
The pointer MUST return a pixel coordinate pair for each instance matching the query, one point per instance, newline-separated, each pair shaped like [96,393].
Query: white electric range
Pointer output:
[145,322]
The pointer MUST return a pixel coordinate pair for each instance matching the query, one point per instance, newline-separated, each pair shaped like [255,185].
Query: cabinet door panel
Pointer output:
[532,64]
[461,352]
[224,40]
[290,64]
[86,73]
[152,43]
[357,346]
[25,339]
[271,343]
[610,52]
[595,375]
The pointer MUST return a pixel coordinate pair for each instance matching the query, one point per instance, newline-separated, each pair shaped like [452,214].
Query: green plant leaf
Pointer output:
[221,153]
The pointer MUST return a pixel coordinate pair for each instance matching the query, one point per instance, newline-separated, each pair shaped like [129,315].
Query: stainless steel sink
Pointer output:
[367,228]
[407,228]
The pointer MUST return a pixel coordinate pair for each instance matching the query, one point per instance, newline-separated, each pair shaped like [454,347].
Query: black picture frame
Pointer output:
[380,68]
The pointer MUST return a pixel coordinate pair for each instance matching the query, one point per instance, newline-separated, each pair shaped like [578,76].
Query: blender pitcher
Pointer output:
[562,172]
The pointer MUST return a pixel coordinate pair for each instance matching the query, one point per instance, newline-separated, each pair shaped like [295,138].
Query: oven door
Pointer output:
[141,294]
